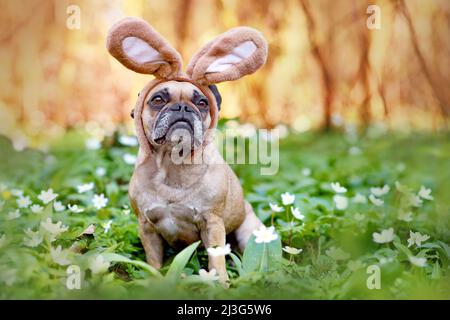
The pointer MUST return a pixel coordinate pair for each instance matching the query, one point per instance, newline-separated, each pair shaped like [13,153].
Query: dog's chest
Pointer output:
[176,223]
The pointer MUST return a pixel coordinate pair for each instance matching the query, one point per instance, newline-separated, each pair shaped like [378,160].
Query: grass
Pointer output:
[338,246]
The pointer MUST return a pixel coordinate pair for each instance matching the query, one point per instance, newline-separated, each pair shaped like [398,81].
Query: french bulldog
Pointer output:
[177,199]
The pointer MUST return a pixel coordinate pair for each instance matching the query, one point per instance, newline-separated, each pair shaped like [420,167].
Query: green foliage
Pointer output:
[337,245]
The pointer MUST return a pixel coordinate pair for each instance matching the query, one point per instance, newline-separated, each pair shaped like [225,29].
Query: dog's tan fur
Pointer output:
[180,203]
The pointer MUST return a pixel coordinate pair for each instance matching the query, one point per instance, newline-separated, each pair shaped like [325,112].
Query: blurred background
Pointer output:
[326,67]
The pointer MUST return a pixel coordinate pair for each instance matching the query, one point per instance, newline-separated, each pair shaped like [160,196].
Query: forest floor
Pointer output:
[384,232]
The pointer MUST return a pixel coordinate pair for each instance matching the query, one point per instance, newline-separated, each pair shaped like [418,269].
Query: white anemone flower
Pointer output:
[32,238]
[287,198]
[85,187]
[380,191]
[47,196]
[425,193]
[336,186]
[219,251]
[376,201]
[306,172]
[417,238]
[74,208]
[129,158]
[275,208]
[385,236]
[93,144]
[359,198]
[291,250]
[99,201]
[58,206]
[129,141]
[297,214]
[415,201]
[265,235]
[23,202]
[100,171]
[35,208]
[98,265]
[208,276]
[54,229]
[417,261]
[60,256]
[340,202]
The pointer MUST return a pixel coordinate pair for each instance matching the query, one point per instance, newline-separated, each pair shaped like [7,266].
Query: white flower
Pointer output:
[107,226]
[275,208]
[415,201]
[425,193]
[287,198]
[58,206]
[405,216]
[336,186]
[219,251]
[306,172]
[380,191]
[99,201]
[376,201]
[129,141]
[297,214]
[98,265]
[384,237]
[100,171]
[420,262]
[85,187]
[17,193]
[13,215]
[129,158]
[265,235]
[93,144]
[54,229]
[35,208]
[208,276]
[23,202]
[337,253]
[126,211]
[417,238]
[33,238]
[60,256]
[2,240]
[359,198]
[341,202]
[74,208]
[291,250]
[47,196]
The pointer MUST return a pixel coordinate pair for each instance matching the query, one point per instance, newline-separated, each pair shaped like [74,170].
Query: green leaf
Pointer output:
[261,256]
[114,257]
[238,264]
[180,261]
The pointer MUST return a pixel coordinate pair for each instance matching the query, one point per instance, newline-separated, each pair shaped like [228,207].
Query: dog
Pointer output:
[179,201]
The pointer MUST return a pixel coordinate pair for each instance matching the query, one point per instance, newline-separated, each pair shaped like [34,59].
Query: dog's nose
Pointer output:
[181,108]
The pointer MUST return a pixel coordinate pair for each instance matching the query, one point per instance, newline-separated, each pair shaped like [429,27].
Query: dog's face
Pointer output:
[175,110]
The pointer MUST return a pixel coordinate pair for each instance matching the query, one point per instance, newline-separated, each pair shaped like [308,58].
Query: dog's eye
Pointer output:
[202,103]
[157,100]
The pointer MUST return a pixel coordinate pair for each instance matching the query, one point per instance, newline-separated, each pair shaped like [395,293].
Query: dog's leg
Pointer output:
[152,242]
[214,235]
[245,230]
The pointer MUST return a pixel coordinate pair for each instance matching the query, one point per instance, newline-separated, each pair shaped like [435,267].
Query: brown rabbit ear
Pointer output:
[140,48]
[230,56]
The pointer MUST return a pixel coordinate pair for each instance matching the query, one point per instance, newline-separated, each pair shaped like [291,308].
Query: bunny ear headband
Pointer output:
[134,43]
[230,56]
